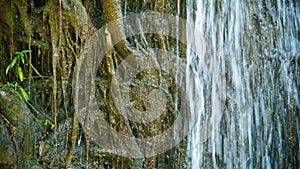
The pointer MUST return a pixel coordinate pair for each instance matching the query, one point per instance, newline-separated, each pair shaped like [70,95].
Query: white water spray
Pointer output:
[254,49]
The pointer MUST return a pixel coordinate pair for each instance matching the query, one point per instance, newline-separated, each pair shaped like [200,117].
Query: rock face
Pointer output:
[18,131]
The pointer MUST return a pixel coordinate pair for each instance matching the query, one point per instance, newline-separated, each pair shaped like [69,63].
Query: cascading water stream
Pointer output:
[252,53]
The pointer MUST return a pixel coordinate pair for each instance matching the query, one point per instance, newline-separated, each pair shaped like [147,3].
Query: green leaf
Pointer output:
[19,54]
[40,148]
[7,84]
[14,61]
[20,72]
[52,127]
[16,85]
[24,93]
[12,85]
[47,122]
[26,51]
[7,69]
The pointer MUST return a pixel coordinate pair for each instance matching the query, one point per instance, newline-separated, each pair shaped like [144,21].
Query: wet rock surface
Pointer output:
[19,131]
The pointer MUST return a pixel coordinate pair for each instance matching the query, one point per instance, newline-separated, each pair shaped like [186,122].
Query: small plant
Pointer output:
[19,59]
[16,86]
[49,124]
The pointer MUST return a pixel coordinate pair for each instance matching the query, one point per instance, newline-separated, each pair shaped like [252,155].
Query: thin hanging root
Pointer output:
[87,141]
[30,67]
[73,140]
[54,40]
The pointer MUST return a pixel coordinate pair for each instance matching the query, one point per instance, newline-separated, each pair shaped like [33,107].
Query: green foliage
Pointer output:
[49,123]
[16,86]
[23,92]
[16,62]
[19,57]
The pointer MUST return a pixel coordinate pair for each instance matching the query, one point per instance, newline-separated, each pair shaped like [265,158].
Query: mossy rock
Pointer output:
[19,131]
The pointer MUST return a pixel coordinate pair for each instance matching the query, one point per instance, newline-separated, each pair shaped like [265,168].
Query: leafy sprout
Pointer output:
[17,60]
[19,57]
[49,123]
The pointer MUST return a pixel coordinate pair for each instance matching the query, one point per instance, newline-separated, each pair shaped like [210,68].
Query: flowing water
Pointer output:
[249,77]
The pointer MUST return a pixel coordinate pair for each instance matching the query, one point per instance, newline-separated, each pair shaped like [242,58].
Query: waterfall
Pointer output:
[244,90]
